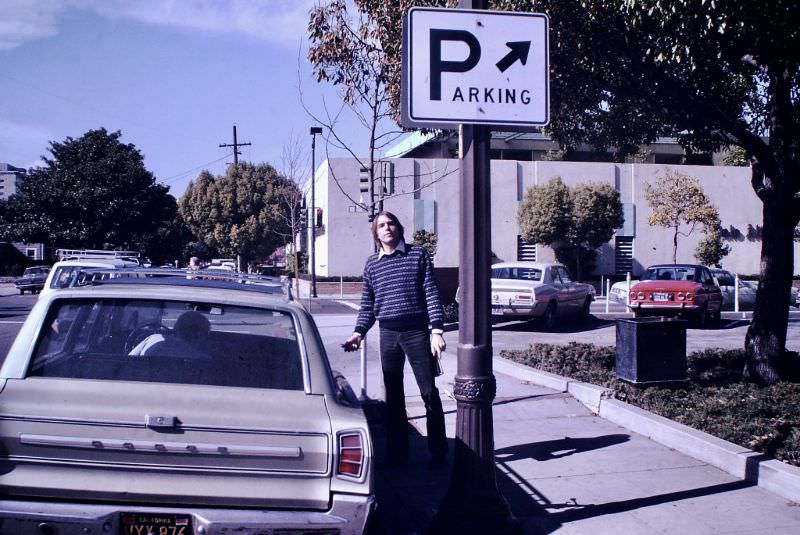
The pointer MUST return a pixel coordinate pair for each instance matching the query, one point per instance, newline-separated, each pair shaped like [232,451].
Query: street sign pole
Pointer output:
[473,503]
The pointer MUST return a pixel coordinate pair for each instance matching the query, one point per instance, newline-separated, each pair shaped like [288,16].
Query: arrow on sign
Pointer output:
[519,51]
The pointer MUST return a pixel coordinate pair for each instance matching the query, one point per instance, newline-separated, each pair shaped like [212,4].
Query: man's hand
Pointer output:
[438,345]
[352,343]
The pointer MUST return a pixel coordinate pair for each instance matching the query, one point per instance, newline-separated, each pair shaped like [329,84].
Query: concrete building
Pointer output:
[10,179]
[426,193]
[421,180]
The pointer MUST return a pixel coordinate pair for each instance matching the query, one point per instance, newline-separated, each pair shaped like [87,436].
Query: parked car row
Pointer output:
[139,401]
[727,284]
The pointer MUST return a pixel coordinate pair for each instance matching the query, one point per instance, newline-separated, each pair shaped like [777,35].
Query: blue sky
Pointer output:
[173,75]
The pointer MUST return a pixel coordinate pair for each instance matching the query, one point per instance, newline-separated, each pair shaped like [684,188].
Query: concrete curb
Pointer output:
[773,475]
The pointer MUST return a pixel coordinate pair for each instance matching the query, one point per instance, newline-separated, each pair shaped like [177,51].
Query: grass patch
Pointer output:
[714,399]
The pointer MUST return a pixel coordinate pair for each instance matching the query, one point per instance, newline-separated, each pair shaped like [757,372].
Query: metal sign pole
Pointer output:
[473,503]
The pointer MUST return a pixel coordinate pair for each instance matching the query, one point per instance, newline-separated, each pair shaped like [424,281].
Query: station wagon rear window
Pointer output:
[517,273]
[169,342]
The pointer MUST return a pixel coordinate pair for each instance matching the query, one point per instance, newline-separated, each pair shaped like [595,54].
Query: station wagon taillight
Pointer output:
[351,455]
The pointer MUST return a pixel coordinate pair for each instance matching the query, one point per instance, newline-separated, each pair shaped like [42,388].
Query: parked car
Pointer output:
[686,290]
[170,403]
[619,291]
[545,291]
[64,273]
[32,279]
[747,291]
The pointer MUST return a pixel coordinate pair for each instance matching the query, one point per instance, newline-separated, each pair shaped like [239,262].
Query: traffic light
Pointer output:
[363,179]
[318,219]
[303,214]
[388,178]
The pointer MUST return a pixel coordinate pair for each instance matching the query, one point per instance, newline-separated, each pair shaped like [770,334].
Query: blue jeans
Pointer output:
[415,345]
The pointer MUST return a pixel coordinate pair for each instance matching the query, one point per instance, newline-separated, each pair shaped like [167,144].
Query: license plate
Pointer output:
[497,311]
[147,524]
[660,297]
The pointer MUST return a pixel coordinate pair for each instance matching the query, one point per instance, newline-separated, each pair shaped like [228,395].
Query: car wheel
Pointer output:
[586,310]
[701,321]
[22,292]
[549,317]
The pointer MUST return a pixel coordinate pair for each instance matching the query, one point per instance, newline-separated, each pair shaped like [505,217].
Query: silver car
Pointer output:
[181,405]
[522,290]
[747,291]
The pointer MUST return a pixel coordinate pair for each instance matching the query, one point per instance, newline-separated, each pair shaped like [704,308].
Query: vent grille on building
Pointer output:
[623,255]
[525,251]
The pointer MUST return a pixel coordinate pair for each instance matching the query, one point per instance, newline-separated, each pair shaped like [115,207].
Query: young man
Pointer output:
[400,291]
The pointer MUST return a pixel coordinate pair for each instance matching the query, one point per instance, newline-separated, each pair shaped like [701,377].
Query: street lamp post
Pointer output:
[313,212]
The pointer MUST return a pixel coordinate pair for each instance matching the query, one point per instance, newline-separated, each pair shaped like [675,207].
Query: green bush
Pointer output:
[713,400]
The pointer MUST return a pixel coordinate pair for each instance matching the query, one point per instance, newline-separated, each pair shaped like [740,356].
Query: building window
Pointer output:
[525,251]
[623,255]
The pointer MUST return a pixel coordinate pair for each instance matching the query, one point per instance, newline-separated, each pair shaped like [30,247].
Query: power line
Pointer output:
[173,177]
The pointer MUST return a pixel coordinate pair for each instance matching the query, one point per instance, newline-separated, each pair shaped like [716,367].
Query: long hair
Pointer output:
[393,219]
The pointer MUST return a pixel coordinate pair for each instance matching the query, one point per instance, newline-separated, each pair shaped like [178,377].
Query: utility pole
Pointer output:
[235,146]
[236,154]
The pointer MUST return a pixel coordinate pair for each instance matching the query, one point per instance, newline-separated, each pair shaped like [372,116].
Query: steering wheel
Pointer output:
[141,332]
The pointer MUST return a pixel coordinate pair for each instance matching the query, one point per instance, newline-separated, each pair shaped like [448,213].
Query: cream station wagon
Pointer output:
[169,403]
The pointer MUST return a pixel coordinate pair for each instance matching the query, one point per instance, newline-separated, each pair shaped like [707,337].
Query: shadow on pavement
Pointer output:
[555,449]
[565,326]
[409,497]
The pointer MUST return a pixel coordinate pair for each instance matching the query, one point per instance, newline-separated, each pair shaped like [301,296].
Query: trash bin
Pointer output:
[651,350]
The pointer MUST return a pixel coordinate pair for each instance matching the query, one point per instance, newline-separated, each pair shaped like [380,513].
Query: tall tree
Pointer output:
[575,222]
[679,203]
[294,166]
[241,213]
[713,73]
[92,192]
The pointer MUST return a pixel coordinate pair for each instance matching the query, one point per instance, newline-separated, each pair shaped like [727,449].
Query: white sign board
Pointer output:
[475,67]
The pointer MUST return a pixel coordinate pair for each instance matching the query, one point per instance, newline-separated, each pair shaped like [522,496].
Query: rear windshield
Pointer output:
[517,273]
[169,342]
[670,274]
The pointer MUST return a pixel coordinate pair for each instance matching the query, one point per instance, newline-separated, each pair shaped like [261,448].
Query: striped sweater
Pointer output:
[400,291]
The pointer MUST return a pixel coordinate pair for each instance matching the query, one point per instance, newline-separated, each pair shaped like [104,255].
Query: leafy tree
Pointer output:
[716,74]
[92,192]
[241,213]
[678,201]
[574,222]
[427,240]
[712,249]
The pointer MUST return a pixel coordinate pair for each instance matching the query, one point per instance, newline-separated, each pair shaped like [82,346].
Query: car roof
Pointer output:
[97,262]
[676,266]
[525,264]
[183,278]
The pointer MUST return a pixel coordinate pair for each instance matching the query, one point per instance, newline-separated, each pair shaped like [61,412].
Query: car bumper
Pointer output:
[518,310]
[348,514]
[28,286]
[650,309]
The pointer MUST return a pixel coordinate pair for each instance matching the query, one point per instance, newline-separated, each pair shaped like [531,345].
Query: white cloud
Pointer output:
[282,21]
[25,20]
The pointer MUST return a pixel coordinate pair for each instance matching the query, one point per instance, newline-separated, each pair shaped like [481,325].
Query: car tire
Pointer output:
[701,320]
[586,309]
[549,317]
[22,292]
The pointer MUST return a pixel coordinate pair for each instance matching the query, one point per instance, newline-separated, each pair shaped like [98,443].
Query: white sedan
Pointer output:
[522,290]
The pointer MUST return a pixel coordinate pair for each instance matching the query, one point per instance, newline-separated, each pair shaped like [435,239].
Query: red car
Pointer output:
[685,290]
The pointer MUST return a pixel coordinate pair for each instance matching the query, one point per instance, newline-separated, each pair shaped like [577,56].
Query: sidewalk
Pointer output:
[564,469]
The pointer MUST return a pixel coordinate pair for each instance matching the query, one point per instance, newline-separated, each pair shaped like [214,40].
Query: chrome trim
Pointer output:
[145,446]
